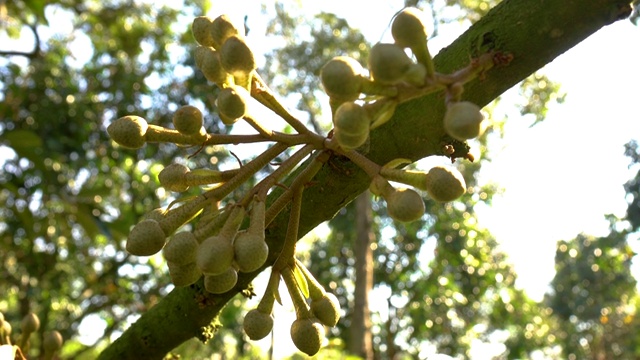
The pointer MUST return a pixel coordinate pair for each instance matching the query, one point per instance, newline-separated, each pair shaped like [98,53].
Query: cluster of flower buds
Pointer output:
[229,237]
[51,340]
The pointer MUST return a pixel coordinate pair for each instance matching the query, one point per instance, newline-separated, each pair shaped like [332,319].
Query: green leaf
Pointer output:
[301,280]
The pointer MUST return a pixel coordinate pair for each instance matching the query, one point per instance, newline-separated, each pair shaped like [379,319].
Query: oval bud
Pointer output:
[215,255]
[351,125]
[208,61]
[307,335]
[129,131]
[236,57]
[52,341]
[221,283]
[342,78]
[201,29]
[257,324]
[251,251]
[30,323]
[463,120]
[222,28]
[188,120]
[408,28]
[405,205]
[172,177]
[445,184]
[182,248]
[185,274]
[326,309]
[146,238]
[388,63]
[232,104]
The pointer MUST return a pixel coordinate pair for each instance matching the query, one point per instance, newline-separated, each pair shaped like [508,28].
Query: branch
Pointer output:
[534,32]
[33,53]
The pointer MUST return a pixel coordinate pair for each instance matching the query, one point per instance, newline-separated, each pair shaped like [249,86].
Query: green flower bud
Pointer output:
[445,184]
[351,125]
[307,335]
[129,131]
[221,283]
[156,214]
[208,61]
[146,238]
[185,274]
[233,103]
[51,343]
[251,251]
[188,120]
[326,309]
[389,64]
[215,255]
[342,78]
[236,57]
[30,323]
[408,29]
[463,120]
[201,29]
[405,205]
[172,177]
[182,248]
[222,29]
[257,324]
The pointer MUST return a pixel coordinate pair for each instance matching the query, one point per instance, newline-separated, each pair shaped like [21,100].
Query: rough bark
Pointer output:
[361,341]
[534,32]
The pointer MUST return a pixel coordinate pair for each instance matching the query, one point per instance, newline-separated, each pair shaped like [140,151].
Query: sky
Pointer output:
[560,177]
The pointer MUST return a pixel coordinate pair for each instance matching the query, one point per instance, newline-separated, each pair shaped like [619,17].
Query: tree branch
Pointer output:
[33,53]
[534,32]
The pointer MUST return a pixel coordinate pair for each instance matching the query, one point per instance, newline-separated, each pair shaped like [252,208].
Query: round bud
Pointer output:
[129,131]
[351,125]
[185,274]
[201,29]
[182,248]
[215,255]
[342,78]
[250,251]
[307,335]
[326,309]
[233,103]
[463,120]
[208,61]
[30,323]
[172,177]
[445,184]
[405,205]
[146,238]
[221,283]
[388,63]
[52,341]
[236,57]
[188,120]
[257,324]
[408,29]
[6,328]
[222,28]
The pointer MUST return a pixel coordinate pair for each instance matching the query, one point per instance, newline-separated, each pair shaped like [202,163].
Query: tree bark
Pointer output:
[534,32]
[361,341]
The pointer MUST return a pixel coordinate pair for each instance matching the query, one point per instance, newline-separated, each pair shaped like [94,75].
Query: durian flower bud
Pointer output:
[201,29]
[326,309]
[156,214]
[389,64]
[257,324]
[172,177]
[51,343]
[188,120]
[30,323]
[222,28]
[185,274]
[250,248]
[351,125]
[342,78]
[221,283]
[405,205]
[463,120]
[181,249]
[408,30]
[129,131]
[307,335]
[445,184]
[208,61]
[216,253]
[233,103]
[237,59]
[146,238]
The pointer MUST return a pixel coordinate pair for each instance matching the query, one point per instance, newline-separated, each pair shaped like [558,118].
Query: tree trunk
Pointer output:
[534,32]
[361,339]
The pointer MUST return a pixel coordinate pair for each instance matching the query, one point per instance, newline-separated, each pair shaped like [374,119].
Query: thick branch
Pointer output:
[534,32]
